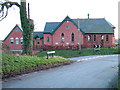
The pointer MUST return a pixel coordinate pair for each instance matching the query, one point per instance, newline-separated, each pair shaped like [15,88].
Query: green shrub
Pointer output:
[12,63]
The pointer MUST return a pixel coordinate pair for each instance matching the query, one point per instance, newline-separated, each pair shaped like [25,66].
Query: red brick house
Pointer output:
[37,40]
[14,39]
[69,33]
[86,32]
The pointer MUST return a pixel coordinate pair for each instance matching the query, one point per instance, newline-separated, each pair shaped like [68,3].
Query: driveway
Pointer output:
[99,71]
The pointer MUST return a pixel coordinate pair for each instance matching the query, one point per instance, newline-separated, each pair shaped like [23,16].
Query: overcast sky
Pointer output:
[42,11]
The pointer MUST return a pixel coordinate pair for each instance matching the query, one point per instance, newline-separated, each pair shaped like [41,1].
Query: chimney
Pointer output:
[28,11]
[88,15]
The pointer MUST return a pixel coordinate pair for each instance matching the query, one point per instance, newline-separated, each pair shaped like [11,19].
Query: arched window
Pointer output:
[102,37]
[72,37]
[62,37]
[89,38]
[12,40]
[17,40]
[21,40]
[94,37]
[48,39]
[107,38]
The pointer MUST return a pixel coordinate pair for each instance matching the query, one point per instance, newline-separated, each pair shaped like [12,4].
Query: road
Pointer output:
[98,71]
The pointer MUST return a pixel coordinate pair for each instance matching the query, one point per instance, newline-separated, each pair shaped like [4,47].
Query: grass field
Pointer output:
[12,65]
[83,52]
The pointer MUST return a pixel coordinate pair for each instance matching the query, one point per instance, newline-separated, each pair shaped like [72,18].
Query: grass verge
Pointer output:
[118,84]
[83,52]
[16,65]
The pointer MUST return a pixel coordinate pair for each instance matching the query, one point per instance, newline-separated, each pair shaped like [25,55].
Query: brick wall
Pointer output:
[90,44]
[67,28]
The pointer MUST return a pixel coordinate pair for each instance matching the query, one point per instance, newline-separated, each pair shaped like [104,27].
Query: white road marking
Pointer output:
[95,57]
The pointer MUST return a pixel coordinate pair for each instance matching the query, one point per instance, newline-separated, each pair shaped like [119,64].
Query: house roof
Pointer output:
[50,27]
[94,25]
[38,34]
[13,30]
[99,25]
[35,34]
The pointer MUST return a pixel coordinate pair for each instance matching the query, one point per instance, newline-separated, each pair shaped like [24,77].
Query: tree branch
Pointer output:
[3,15]
[6,5]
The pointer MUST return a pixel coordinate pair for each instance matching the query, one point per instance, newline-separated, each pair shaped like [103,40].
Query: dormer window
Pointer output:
[68,27]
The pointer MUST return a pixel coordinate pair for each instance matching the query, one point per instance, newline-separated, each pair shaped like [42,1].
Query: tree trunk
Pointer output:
[28,27]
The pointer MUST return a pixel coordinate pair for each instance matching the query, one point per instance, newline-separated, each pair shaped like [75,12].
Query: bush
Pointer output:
[58,47]
[5,48]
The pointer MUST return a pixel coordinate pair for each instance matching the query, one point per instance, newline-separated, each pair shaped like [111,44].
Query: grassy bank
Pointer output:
[83,52]
[13,65]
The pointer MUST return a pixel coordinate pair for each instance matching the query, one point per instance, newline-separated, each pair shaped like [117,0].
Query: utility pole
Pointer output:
[79,39]
[88,15]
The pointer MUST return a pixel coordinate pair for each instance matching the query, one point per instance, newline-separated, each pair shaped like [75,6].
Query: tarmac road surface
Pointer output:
[98,71]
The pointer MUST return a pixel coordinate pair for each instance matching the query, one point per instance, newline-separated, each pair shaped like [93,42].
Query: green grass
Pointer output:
[83,52]
[118,84]
[12,63]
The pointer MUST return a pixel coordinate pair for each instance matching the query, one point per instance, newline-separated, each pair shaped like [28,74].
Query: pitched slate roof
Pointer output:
[50,27]
[38,34]
[99,25]
[94,25]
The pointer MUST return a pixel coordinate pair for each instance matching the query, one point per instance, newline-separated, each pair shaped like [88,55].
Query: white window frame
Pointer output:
[48,39]
[102,37]
[62,38]
[89,38]
[38,40]
[11,40]
[17,40]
